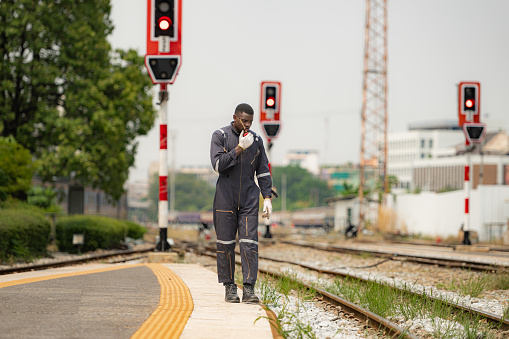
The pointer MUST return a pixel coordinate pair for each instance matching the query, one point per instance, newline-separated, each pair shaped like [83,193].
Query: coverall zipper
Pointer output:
[240,181]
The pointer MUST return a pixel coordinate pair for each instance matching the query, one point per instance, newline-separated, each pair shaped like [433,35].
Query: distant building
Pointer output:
[430,156]
[137,201]
[205,173]
[489,166]
[74,198]
[422,141]
[307,159]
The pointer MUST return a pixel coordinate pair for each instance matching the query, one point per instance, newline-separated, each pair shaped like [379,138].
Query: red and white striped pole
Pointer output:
[466,221]
[163,244]
[269,157]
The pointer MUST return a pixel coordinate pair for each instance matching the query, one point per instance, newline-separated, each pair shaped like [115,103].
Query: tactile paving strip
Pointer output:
[175,307]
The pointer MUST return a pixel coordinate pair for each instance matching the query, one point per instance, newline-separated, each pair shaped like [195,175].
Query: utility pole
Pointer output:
[374,105]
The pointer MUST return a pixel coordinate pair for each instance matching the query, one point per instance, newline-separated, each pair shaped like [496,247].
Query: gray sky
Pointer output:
[315,48]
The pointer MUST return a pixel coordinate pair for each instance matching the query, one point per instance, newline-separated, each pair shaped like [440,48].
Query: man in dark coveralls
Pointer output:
[238,155]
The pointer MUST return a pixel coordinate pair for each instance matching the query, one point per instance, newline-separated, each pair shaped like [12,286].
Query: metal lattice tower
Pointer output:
[373,164]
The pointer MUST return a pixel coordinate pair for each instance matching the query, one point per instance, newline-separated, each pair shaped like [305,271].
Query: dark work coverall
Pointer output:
[236,202]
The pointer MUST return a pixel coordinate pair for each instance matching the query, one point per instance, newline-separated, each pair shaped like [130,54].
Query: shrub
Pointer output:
[24,234]
[100,232]
[134,230]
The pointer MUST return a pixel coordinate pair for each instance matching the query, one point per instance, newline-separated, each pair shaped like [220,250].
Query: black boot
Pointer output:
[249,296]
[231,295]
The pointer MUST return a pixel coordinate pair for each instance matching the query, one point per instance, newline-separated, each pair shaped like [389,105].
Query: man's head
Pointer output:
[243,117]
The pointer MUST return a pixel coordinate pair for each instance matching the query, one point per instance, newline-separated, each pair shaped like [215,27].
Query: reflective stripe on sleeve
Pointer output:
[263,175]
[217,166]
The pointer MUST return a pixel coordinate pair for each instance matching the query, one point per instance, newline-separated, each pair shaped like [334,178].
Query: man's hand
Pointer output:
[267,208]
[245,141]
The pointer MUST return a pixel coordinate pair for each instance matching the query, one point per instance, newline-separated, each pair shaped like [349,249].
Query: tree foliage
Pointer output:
[16,169]
[66,96]
[302,188]
[191,193]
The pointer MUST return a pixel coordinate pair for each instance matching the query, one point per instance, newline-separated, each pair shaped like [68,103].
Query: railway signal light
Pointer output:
[469,95]
[474,132]
[164,17]
[470,98]
[162,68]
[271,129]
[271,97]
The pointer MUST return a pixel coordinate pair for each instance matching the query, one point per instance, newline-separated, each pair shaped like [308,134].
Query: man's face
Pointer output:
[242,121]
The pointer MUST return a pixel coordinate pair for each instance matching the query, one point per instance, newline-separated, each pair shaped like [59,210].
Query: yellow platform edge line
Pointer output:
[173,303]
[175,307]
[63,275]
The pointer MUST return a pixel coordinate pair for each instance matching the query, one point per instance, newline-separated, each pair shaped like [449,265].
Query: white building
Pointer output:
[307,159]
[421,141]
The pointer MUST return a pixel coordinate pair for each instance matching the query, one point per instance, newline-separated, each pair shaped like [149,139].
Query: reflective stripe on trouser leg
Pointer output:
[226,229]
[248,241]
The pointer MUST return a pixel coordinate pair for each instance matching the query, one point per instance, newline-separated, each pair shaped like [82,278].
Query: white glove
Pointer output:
[245,141]
[267,208]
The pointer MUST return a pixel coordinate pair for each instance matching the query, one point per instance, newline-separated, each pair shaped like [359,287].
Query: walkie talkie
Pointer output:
[245,130]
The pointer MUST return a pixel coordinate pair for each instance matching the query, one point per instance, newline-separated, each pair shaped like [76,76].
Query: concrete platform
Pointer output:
[123,301]
[211,312]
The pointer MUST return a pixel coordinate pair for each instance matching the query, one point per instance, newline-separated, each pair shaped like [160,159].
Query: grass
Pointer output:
[499,281]
[444,320]
[274,294]
[393,304]
[506,313]
[475,284]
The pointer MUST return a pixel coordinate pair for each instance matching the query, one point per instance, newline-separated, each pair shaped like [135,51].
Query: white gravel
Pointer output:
[322,323]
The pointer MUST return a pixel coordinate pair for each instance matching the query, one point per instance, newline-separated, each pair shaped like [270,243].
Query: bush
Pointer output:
[134,230]
[100,232]
[24,234]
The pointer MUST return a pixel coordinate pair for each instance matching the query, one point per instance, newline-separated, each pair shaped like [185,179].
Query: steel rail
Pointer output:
[494,320]
[407,257]
[374,320]
[70,262]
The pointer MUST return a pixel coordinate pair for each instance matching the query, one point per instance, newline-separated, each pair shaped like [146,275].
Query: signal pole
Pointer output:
[163,244]
[469,113]
[267,221]
[270,113]
[163,60]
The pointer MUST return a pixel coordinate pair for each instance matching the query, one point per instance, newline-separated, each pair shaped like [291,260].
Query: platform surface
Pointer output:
[124,300]
[211,312]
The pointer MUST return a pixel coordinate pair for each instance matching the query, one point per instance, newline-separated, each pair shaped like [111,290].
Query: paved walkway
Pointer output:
[123,300]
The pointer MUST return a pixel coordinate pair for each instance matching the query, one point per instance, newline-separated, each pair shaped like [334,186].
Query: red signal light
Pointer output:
[271,101]
[469,103]
[164,23]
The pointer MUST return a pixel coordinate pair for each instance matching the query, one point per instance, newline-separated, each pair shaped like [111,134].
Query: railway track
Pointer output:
[363,315]
[493,319]
[444,262]
[495,322]
[124,255]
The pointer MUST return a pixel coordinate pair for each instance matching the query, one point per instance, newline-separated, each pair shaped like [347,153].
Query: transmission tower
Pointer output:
[373,164]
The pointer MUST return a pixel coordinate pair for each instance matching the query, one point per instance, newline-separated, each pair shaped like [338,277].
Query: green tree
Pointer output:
[75,104]
[191,193]
[302,188]
[16,169]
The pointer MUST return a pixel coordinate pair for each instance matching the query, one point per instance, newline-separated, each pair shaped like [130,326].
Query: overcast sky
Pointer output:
[315,48]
